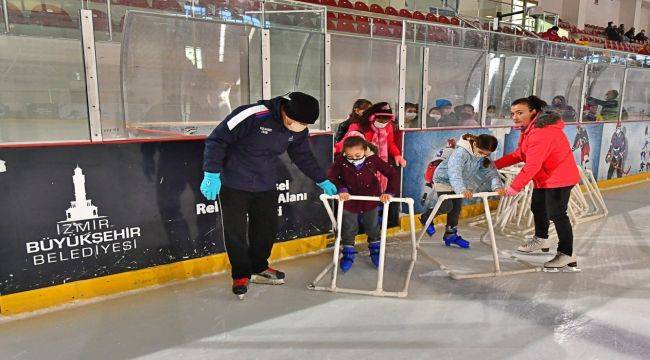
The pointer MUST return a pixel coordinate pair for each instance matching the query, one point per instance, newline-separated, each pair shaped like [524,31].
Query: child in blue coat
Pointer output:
[466,170]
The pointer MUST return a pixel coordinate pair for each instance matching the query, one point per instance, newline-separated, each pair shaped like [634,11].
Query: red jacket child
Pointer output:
[361,180]
[547,154]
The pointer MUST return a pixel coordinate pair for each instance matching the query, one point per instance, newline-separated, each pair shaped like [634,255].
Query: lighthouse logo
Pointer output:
[84,232]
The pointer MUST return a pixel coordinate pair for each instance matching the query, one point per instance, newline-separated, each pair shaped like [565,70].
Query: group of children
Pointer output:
[361,168]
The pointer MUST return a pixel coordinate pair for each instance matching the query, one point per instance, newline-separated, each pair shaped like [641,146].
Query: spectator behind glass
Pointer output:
[433,117]
[591,114]
[448,117]
[621,29]
[609,106]
[465,115]
[357,110]
[611,32]
[490,115]
[641,36]
[411,116]
[551,34]
[630,35]
[566,111]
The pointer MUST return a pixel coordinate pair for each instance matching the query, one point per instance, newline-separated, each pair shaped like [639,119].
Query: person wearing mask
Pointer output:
[358,108]
[240,165]
[629,36]
[411,120]
[566,111]
[354,172]
[609,106]
[549,163]
[641,36]
[465,115]
[448,117]
[433,117]
[464,170]
[376,126]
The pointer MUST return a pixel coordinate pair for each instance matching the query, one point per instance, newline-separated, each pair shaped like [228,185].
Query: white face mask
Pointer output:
[435,117]
[357,162]
[296,126]
[379,125]
[410,115]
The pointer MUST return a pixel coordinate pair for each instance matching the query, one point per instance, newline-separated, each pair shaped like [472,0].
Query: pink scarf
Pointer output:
[380,139]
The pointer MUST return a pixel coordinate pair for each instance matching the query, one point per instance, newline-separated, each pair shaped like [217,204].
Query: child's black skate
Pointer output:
[240,287]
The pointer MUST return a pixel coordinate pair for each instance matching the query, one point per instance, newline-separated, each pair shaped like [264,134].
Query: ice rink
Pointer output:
[601,313]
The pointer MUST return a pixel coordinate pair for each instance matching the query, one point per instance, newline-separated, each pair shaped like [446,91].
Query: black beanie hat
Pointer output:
[301,107]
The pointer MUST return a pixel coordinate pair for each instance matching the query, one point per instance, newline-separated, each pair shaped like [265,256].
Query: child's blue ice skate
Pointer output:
[348,258]
[451,237]
[373,248]
[423,220]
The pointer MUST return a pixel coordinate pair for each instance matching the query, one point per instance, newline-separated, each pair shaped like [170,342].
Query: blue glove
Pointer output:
[328,188]
[211,185]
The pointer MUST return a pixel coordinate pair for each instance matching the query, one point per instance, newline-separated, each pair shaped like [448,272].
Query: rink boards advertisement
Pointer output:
[84,211]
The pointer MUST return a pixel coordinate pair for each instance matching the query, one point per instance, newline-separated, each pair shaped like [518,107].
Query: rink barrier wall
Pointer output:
[419,146]
[152,277]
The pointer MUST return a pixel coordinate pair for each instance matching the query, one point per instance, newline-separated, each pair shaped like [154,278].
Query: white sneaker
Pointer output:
[534,244]
[562,262]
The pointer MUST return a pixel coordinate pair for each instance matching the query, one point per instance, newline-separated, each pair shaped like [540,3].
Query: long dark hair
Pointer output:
[380,107]
[360,103]
[483,142]
[533,103]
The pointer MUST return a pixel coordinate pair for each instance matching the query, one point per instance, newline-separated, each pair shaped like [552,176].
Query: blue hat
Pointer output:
[442,102]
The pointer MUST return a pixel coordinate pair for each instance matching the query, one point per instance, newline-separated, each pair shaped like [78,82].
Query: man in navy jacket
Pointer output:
[242,154]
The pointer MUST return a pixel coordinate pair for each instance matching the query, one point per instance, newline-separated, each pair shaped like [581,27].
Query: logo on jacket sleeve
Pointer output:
[265,130]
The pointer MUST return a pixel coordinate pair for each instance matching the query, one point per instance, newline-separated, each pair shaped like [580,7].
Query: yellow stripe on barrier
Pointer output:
[158,275]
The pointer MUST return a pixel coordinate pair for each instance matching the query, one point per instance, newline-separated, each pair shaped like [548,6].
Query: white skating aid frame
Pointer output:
[495,251]
[334,265]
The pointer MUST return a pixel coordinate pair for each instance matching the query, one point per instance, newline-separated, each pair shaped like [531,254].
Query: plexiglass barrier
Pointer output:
[362,68]
[178,77]
[297,64]
[191,63]
[561,86]
[636,100]
[42,90]
[509,78]
[455,78]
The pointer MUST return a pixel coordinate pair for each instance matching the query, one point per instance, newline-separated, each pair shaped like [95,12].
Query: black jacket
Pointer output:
[245,148]
[342,130]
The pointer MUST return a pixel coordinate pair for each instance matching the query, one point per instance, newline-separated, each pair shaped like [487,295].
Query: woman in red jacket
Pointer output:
[549,163]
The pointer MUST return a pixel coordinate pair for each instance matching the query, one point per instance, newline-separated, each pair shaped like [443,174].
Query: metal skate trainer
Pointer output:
[334,265]
[490,231]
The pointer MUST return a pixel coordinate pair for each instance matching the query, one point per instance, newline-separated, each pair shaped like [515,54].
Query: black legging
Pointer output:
[551,205]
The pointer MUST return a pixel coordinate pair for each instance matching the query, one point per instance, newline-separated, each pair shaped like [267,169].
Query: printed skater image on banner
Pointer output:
[585,141]
[614,151]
